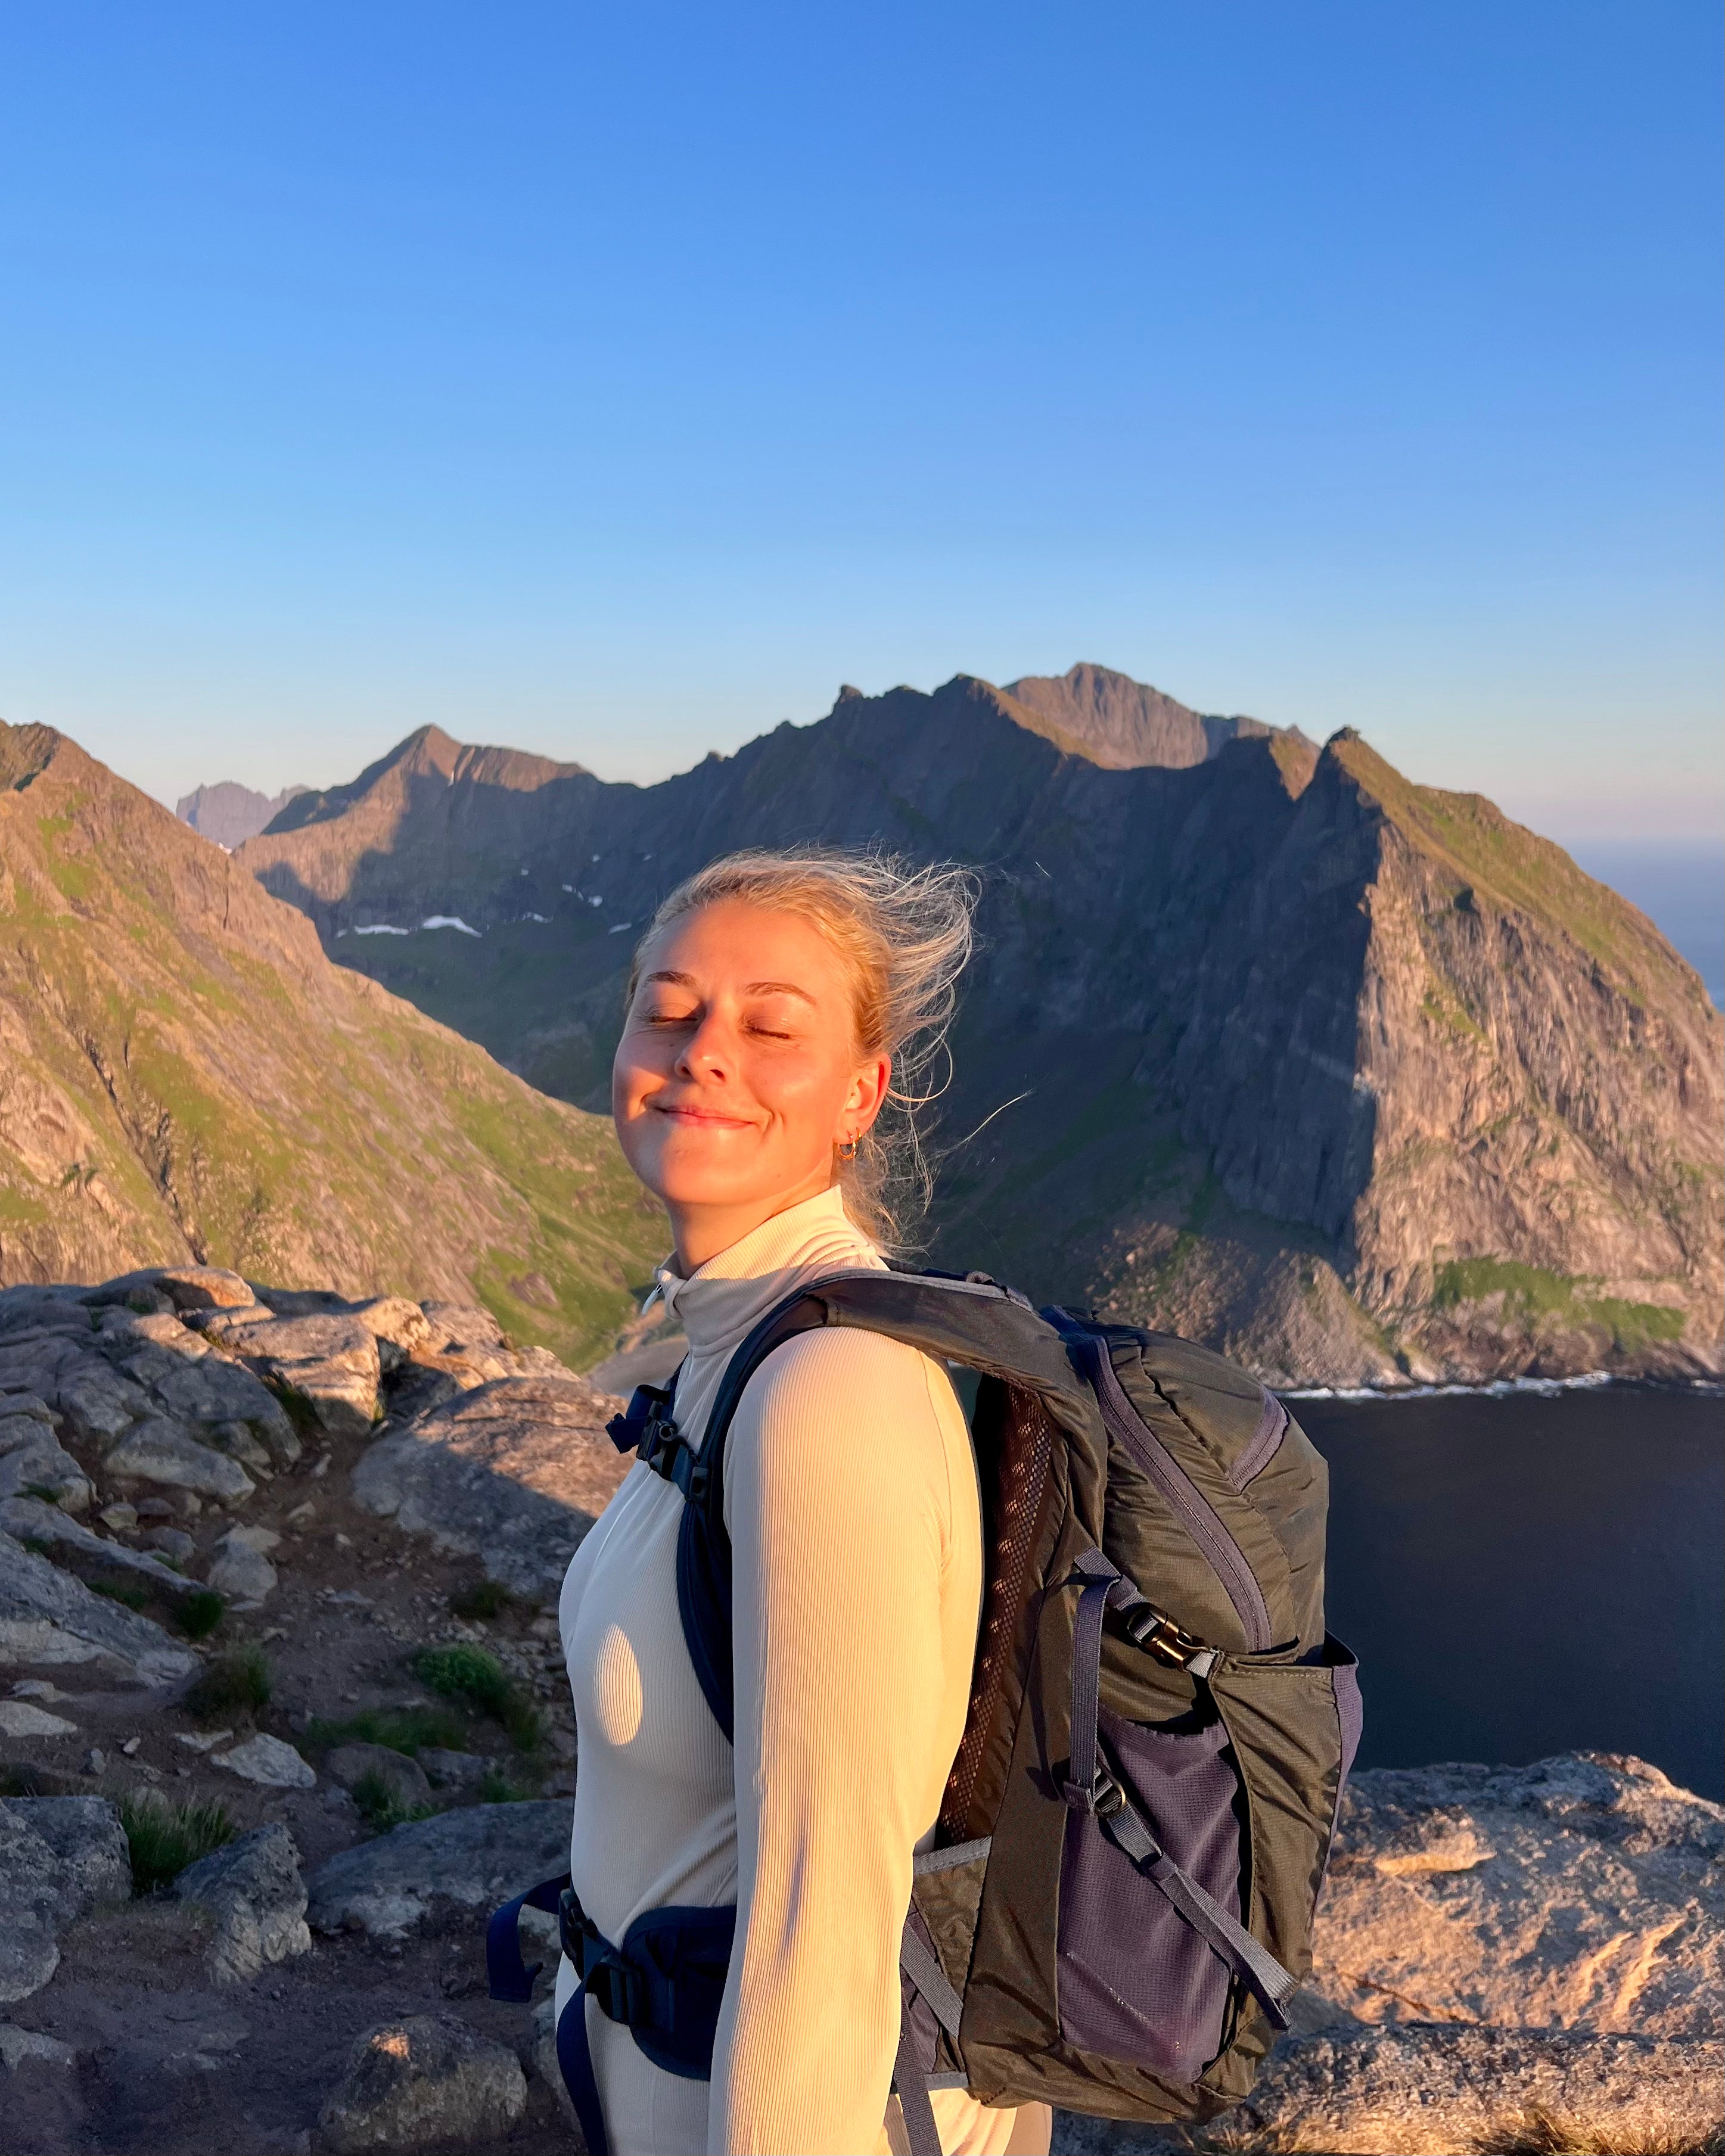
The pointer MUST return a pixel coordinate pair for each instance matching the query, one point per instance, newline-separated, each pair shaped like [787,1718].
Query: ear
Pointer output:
[865,1096]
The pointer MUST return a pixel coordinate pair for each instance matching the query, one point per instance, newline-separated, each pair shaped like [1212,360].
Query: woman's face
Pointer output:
[737,1073]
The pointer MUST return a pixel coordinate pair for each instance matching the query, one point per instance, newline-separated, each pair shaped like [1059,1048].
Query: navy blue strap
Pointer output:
[575,2065]
[509,1978]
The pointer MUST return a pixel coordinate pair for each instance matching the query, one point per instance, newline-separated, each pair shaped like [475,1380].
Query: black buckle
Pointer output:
[617,1990]
[1160,1637]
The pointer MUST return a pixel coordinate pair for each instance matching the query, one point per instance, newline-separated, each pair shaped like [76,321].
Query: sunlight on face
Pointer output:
[737,1073]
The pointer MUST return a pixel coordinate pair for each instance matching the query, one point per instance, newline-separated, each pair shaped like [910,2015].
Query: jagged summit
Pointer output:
[229,813]
[427,754]
[1125,725]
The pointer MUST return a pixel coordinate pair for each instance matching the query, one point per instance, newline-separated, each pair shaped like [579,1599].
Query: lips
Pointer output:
[703,1118]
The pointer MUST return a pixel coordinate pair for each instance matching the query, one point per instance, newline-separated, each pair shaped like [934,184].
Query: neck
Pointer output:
[701,1232]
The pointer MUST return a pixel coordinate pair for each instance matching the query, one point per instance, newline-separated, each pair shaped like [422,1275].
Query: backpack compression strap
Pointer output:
[1091,1787]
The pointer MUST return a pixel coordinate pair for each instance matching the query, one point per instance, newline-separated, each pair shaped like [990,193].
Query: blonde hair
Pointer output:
[904,937]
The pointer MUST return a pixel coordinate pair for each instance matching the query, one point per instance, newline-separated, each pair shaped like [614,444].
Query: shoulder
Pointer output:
[854,1411]
[843,1372]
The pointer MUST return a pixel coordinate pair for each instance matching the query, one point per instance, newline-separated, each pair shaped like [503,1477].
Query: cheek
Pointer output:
[806,1093]
[634,1068]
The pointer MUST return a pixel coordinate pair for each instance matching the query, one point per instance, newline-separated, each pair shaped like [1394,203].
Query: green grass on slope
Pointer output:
[1514,866]
[1530,1293]
[294,1126]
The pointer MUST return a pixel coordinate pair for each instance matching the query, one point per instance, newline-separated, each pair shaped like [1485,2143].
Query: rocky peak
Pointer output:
[1126,725]
[229,814]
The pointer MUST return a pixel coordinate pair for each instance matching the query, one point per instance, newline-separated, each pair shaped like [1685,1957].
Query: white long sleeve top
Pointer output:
[852,1501]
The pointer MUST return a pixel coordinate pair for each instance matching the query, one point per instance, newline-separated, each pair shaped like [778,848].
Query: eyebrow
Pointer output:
[753,988]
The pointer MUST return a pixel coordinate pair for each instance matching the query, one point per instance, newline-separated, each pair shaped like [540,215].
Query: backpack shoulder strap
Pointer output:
[972,1321]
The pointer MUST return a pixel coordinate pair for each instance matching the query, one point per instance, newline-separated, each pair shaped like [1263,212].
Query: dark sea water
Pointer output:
[1531,1574]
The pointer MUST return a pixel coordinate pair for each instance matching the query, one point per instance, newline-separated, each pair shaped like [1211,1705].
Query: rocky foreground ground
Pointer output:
[282,1715]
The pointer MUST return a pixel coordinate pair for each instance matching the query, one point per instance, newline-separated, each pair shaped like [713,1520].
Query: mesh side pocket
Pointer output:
[1136,1983]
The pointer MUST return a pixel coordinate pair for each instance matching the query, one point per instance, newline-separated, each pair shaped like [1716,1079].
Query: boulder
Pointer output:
[203,1287]
[468,1860]
[28,2047]
[422,2080]
[393,1318]
[1430,2089]
[460,1327]
[29,1518]
[212,1393]
[253,1897]
[330,1361]
[514,1472]
[236,1440]
[241,1569]
[31,1459]
[160,1451]
[98,1402]
[463,1771]
[1581,1892]
[58,1857]
[48,1617]
[267,1760]
[18,1718]
[350,1764]
[545,2056]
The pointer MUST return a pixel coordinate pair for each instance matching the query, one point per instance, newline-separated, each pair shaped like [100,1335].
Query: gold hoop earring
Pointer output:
[847,1149]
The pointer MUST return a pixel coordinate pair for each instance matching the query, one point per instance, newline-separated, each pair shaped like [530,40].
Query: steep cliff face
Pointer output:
[183,1074]
[1358,1080]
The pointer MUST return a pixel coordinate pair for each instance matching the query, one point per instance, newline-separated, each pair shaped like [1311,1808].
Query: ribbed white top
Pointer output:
[851,1500]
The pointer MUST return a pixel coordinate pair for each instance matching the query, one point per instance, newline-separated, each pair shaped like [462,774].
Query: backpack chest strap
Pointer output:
[648,1428]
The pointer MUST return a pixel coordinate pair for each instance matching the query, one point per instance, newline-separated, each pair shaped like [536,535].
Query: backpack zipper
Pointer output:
[1199,1518]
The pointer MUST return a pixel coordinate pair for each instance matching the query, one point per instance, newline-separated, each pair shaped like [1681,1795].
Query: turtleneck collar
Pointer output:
[717,1303]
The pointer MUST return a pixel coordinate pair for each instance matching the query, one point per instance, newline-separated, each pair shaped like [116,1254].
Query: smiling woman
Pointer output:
[784,1013]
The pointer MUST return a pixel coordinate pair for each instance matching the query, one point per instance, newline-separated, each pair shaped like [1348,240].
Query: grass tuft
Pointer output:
[479,1680]
[404,1729]
[198,1613]
[482,1603]
[164,1838]
[116,1591]
[497,1789]
[379,1807]
[236,1682]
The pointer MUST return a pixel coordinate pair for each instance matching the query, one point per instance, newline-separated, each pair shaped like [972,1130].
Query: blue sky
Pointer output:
[616,383]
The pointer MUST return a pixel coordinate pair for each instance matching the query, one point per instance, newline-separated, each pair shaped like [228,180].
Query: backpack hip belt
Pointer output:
[663,1983]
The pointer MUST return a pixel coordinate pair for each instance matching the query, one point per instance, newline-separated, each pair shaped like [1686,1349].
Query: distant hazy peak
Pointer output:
[427,752]
[1123,724]
[230,813]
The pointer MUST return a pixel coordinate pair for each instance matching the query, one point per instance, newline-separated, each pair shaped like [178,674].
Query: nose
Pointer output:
[706,1052]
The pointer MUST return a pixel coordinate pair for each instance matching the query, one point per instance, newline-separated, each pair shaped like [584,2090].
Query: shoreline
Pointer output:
[1501,1389]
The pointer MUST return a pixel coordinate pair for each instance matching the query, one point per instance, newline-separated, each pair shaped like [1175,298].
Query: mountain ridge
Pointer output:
[185,1076]
[1357,1078]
